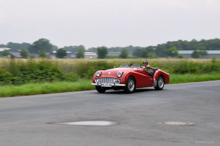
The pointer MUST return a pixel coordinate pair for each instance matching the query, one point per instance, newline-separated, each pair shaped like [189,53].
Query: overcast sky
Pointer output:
[108,23]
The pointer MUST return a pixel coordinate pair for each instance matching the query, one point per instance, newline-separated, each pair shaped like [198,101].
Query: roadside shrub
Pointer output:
[71,77]
[186,67]
[87,70]
[5,77]
[42,71]
[33,71]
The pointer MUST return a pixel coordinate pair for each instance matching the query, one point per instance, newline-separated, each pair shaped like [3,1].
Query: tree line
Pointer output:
[40,48]
[169,49]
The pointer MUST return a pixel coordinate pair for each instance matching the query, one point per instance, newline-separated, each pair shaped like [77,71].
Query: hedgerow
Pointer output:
[31,71]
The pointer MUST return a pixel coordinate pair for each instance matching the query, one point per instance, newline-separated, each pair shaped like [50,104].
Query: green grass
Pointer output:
[185,78]
[44,88]
[83,84]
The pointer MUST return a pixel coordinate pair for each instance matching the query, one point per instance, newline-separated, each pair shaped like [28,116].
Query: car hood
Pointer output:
[112,73]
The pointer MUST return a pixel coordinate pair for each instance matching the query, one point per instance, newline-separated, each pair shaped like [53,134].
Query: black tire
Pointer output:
[100,89]
[130,85]
[160,83]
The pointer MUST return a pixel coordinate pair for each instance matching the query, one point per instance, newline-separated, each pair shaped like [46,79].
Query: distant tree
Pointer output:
[144,53]
[124,54]
[172,52]
[42,54]
[151,55]
[24,53]
[202,51]
[17,46]
[55,48]
[61,53]
[102,52]
[92,49]
[2,46]
[74,49]
[195,54]
[39,45]
[80,53]
[180,56]
[5,53]
[137,52]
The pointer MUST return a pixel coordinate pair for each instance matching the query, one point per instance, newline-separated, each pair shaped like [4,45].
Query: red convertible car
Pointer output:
[129,78]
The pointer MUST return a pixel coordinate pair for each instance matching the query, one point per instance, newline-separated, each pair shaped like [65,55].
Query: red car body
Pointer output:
[140,77]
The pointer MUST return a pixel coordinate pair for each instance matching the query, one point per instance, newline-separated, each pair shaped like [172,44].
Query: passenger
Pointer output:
[149,70]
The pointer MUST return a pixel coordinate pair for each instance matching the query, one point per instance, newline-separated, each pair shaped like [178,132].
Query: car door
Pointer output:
[147,80]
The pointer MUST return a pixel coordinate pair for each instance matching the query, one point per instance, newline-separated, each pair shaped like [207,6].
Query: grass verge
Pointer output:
[82,84]
[44,88]
[186,78]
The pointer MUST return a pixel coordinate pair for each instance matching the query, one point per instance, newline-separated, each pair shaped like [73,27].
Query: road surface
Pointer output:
[32,120]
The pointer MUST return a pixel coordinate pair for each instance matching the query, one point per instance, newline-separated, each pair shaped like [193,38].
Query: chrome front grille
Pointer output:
[106,80]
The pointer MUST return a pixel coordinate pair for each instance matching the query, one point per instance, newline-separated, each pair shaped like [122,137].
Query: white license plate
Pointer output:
[106,85]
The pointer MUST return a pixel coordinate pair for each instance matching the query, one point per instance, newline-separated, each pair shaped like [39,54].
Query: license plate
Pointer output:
[106,85]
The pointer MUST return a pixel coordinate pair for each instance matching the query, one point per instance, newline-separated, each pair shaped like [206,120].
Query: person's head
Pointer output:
[145,63]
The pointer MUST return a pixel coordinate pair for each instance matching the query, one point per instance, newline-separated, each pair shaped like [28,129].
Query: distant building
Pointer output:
[2,49]
[90,55]
[211,53]
[69,55]
[118,53]
[15,55]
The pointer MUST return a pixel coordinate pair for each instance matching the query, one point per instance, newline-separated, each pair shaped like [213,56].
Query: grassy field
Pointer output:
[72,65]
[85,84]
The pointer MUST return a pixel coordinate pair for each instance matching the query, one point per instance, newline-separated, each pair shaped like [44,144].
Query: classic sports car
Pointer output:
[129,78]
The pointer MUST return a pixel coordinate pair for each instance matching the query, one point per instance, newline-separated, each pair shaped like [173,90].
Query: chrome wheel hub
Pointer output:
[131,85]
[160,83]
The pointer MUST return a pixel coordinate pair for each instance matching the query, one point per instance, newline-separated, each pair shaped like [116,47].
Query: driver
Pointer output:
[147,68]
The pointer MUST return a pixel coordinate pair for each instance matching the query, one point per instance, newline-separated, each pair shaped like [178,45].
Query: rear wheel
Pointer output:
[160,83]
[100,89]
[130,85]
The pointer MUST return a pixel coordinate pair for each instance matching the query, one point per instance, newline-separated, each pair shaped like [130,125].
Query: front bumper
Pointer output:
[111,85]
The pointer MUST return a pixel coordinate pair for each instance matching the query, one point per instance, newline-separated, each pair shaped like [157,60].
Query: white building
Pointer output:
[118,53]
[2,49]
[90,55]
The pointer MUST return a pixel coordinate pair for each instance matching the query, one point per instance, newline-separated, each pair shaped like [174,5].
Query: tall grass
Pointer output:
[87,67]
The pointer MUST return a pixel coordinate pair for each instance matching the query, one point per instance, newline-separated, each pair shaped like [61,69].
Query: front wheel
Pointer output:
[130,85]
[100,89]
[160,83]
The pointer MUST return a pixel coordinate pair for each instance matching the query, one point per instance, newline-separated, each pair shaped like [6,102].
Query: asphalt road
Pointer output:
[30,120]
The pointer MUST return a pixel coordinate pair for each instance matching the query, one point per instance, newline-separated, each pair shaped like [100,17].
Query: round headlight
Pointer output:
[98,73]
[119,74]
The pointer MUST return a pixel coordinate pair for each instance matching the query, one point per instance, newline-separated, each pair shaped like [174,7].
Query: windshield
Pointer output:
[124,65]
[135,65]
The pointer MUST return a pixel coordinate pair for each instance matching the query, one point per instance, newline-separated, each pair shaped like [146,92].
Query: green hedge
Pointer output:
[87,69]
[191,67]
[31,72]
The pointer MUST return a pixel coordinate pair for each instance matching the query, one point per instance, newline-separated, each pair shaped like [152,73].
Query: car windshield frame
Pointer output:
[136,65]
[123,65]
